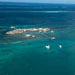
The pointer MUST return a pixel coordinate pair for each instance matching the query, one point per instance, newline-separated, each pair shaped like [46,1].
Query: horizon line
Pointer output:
[35,2]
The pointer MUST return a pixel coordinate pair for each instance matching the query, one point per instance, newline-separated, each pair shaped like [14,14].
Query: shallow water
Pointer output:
[20,55]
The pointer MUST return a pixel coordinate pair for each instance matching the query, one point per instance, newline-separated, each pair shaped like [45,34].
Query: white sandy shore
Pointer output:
[25,30]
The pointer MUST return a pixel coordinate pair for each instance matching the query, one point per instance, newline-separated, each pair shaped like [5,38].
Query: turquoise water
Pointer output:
[28,56]
[21,56]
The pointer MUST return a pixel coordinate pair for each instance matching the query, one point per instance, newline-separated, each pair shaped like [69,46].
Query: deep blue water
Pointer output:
[28,56]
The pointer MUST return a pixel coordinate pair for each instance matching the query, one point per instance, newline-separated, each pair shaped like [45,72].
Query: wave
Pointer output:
[39,11]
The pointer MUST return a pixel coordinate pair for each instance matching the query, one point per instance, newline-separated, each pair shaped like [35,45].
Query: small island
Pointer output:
[18,31]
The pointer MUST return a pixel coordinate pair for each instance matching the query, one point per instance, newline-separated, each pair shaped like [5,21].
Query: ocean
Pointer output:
[29,56]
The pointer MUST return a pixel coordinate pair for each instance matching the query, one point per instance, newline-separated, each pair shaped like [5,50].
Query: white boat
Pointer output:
[52,38]
[28,35]
[48,47]
[52,31]
[33,36]
[60,46]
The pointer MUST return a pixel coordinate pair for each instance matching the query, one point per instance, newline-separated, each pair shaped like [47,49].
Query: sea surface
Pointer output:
[29,56]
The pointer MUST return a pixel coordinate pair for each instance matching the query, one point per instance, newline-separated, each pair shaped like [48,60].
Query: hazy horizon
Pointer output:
[41,1]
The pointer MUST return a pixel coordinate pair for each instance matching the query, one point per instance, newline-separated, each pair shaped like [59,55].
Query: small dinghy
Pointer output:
[47,47]
[60,46]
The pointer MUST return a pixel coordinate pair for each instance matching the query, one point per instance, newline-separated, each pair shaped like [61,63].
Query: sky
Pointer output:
[43,1]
